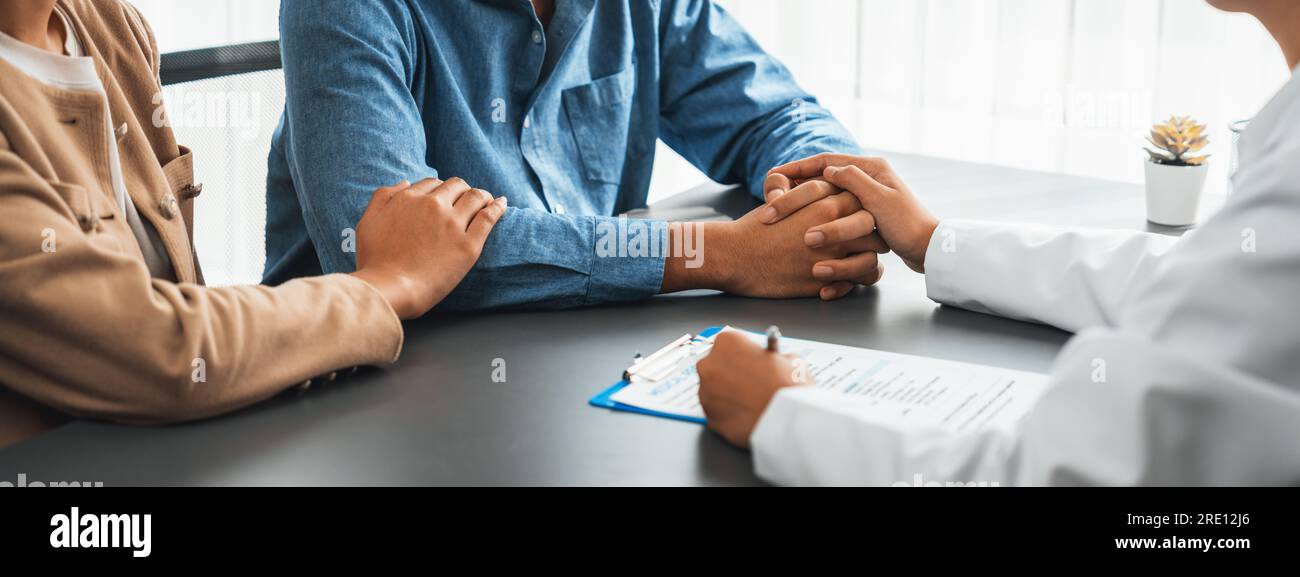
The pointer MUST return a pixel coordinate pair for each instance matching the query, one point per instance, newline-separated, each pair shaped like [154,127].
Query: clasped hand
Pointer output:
[889,216]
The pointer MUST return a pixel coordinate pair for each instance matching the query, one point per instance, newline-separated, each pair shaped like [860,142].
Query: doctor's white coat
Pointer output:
[1199,338]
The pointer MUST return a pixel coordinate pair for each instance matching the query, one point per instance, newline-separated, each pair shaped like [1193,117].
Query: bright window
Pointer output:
[1067,86]
[1056,85]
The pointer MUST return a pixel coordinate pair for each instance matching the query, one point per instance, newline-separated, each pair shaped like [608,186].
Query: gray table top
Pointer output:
[437,417]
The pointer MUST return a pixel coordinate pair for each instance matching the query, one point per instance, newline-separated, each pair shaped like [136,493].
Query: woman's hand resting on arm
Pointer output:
[416,242]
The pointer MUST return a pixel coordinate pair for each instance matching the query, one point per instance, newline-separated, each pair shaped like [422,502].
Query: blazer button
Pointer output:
[192,191]
[87,222]
[168,206]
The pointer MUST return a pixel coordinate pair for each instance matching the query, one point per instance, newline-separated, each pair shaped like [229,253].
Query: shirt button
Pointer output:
[559,209]
[528,121]
[168,207]
[537,36]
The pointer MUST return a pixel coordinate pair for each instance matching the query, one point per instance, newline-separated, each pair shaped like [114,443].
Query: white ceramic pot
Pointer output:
[1174,193]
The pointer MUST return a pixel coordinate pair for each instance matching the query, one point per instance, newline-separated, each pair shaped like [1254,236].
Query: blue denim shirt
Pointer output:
[563,120]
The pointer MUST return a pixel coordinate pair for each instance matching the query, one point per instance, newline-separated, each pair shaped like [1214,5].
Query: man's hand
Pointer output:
[738,381]
[416,242]
[749,258]
[840,275]
[889,206]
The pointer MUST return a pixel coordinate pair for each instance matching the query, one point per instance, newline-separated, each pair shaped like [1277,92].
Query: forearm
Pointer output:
[1162,418]
[195,352]
[1068,278]
[256,341]
[536,259]
[668,258]
[810,436]
[696,269]
[800,130]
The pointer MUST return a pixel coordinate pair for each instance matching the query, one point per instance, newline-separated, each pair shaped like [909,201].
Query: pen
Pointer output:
[773,339]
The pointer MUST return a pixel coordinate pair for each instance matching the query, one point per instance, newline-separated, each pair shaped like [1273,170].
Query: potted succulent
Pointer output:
[1176,178]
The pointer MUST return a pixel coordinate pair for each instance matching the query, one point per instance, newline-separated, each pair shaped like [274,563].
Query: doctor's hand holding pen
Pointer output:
[738,380]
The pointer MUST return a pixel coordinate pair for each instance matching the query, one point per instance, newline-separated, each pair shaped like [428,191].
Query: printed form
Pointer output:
[909,390]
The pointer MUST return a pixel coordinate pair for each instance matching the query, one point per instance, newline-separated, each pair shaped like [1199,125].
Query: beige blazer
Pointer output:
[84,330]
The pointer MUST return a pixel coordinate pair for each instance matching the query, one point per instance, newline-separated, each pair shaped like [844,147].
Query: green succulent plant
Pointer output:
[1176,139]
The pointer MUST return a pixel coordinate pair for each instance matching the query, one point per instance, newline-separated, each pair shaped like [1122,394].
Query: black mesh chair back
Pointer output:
[224,103]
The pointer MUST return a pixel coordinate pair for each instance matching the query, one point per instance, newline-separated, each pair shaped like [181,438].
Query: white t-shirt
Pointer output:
[76,72]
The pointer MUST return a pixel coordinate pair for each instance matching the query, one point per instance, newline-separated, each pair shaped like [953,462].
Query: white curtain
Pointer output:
[1067,86]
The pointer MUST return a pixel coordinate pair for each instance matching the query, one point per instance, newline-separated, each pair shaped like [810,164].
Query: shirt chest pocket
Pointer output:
[600,116]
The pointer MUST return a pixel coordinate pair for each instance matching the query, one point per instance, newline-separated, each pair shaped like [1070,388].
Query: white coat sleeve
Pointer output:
[1068,278]
[1190,374]
[1158,418]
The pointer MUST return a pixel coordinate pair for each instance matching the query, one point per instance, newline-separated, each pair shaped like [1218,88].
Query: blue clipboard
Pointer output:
[604,401]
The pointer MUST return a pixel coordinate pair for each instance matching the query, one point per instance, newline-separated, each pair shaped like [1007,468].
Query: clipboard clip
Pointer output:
[666,361]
